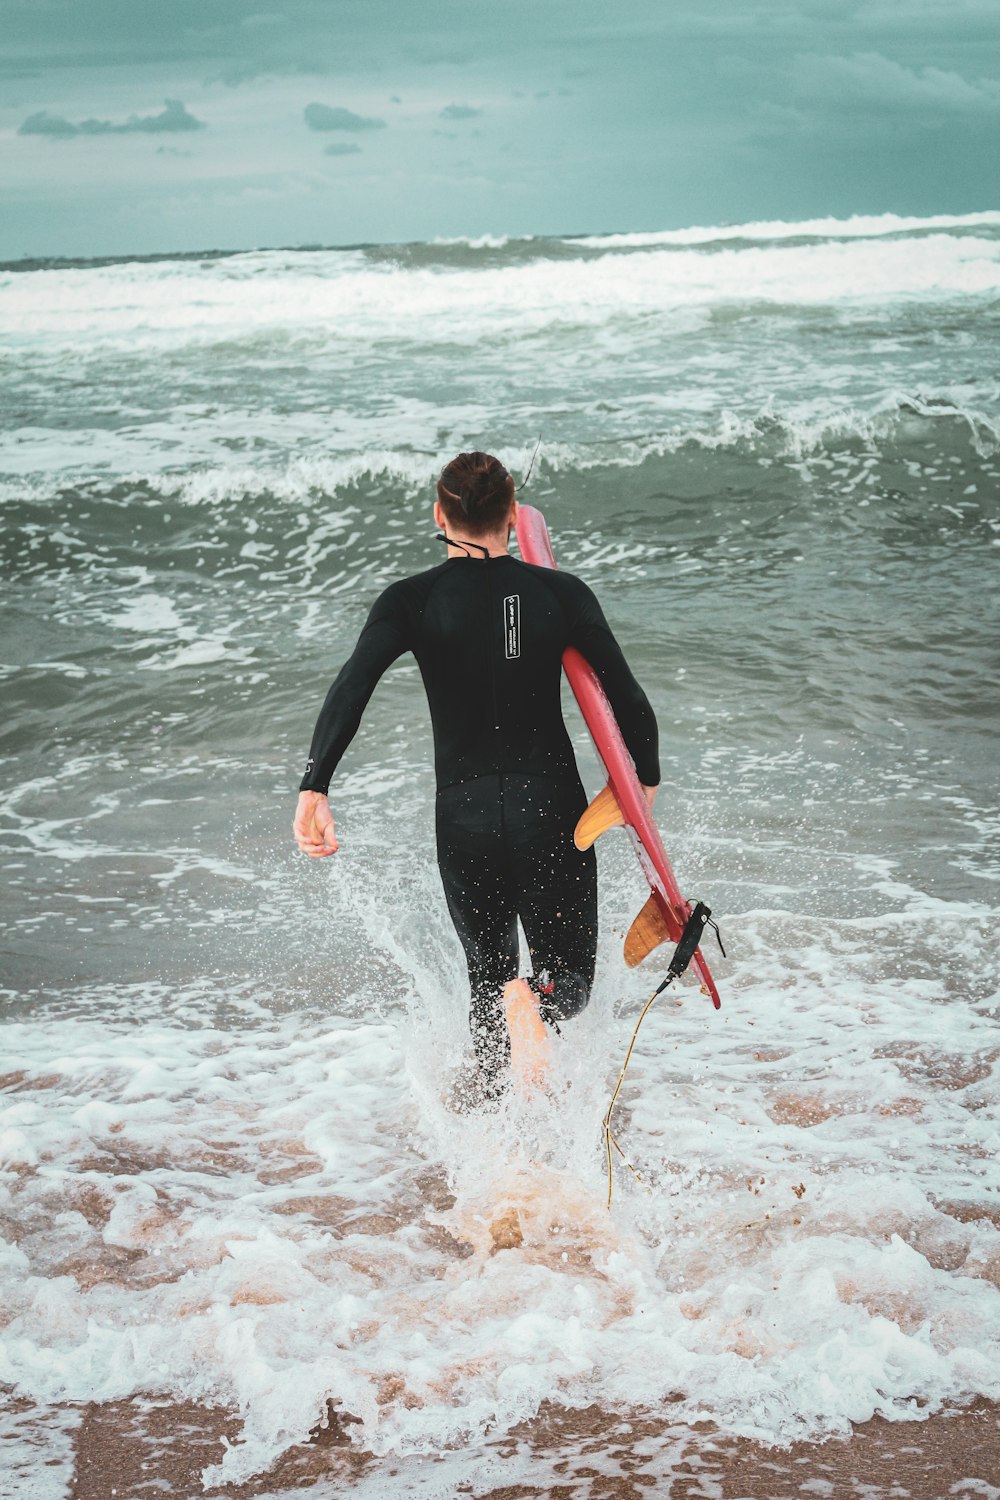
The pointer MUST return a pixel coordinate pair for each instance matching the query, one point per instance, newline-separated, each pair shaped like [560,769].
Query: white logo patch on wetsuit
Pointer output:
[512,625]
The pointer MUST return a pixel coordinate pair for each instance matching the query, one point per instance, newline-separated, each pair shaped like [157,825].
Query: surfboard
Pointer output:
[622,802]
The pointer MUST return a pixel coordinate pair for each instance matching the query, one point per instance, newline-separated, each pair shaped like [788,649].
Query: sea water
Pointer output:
[229,1172]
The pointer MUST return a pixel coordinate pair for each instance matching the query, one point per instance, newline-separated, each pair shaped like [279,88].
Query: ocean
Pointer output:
[236,1207]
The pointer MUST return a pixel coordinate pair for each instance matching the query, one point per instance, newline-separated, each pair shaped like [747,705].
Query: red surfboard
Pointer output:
[622,802]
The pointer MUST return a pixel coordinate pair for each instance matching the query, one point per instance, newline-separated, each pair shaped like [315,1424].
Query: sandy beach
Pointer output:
[147,1447]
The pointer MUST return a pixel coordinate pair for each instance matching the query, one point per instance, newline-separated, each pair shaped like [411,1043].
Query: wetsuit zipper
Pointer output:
[490,644]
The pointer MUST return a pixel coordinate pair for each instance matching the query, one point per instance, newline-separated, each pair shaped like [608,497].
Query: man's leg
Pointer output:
[556,887]
[476,876]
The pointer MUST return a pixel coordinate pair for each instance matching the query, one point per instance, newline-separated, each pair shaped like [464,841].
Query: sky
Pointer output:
[144,126]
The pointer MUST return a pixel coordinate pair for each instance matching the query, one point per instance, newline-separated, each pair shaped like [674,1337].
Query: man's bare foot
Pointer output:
[529,1038]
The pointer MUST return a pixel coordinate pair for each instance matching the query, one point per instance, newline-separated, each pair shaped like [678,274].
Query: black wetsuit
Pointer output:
[488,635]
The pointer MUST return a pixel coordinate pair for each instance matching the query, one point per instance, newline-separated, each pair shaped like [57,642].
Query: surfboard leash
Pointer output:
[524,482]
[699,918]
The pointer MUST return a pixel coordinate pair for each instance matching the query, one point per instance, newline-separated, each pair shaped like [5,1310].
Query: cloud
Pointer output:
[240,73]
[322,117]
[869,79]
[43,123]
[173,117]
[341,148]
[459,112]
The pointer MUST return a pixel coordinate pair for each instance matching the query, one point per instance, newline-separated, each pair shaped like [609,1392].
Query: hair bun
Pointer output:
[478,488]
[475,487]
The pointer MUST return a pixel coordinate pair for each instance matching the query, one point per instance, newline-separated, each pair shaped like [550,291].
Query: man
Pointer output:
[488,633]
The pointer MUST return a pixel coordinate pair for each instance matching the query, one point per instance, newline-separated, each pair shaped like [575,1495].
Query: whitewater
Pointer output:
[240,1221]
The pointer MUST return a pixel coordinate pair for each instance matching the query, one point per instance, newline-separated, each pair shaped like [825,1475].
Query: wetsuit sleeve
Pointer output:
[591,634]
[386,636]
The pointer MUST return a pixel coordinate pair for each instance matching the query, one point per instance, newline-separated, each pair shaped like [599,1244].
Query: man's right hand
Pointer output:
[313,826]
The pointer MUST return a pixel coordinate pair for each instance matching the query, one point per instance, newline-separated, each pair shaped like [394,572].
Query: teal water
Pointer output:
[775,454]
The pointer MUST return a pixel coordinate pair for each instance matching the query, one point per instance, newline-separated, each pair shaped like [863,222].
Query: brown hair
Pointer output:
[475,492]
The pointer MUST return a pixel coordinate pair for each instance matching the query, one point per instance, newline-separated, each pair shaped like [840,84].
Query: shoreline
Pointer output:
[150,1446]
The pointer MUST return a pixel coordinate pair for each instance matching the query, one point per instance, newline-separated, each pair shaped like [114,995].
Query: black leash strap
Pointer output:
[694,931]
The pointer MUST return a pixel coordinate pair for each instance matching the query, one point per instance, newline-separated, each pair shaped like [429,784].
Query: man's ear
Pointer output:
[439,516]
[512,518]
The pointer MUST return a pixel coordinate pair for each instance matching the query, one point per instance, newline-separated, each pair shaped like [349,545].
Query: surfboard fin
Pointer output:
[647,932]
[602,814]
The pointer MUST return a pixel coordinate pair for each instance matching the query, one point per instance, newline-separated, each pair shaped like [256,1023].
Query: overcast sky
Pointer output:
[131,126]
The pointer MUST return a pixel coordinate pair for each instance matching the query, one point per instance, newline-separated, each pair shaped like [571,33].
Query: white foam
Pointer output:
[856,226]
[333,298]
[303,1219]
[608,355]
[147,612]
[217,476]
[482,241]
[37,1448]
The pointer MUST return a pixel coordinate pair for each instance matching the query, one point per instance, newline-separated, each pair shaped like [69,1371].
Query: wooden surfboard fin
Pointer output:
[602,814]
[647,932]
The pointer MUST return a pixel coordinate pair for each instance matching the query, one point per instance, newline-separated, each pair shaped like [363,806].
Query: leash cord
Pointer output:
[609,1139]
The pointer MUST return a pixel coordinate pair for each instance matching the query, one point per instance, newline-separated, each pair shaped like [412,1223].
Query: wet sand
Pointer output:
[139,1448]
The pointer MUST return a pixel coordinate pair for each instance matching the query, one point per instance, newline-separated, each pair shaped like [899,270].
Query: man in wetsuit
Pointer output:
[488,633]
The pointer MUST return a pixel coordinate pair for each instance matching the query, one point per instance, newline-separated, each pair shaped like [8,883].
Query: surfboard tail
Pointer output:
[652,928]
[660,920]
